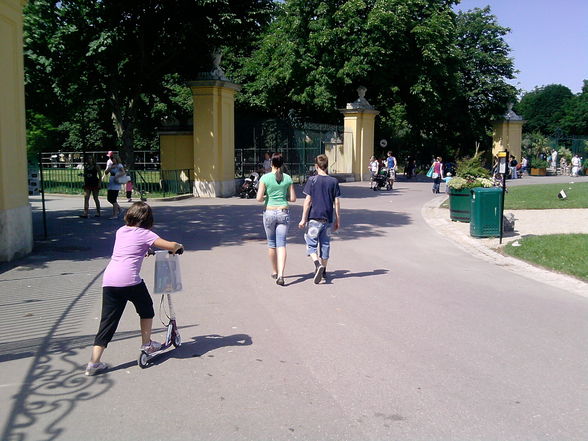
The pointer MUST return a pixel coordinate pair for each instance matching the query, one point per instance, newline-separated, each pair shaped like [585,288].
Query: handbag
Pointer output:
[123,179]
[430,172]
[168,278]
[435,175]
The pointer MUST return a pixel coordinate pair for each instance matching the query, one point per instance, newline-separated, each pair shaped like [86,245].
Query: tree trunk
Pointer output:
[123,118]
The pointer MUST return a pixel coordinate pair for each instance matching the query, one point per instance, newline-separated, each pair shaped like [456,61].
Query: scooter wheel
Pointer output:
[177,341]
[143,360]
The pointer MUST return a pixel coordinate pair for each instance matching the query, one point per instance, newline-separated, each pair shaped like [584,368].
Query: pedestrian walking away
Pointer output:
[275,190]
[437,174]
[91,185]
[322,195]
[122,283]
[116,171]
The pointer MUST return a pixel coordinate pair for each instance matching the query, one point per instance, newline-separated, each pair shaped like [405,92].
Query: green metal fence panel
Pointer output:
[147,183]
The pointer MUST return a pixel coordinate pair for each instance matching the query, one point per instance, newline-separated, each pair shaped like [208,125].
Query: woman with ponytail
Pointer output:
[276,189]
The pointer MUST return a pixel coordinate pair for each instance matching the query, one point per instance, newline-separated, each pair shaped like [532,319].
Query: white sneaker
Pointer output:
[94,368]
[151,347]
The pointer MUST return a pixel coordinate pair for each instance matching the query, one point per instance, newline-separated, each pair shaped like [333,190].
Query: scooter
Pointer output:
[172,337]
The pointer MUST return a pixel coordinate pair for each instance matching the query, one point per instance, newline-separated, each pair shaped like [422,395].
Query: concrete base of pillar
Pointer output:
[16,233]
[217,189]
[343,177]
[365,177]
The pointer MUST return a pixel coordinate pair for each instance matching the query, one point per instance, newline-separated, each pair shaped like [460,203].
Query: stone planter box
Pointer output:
[460,205]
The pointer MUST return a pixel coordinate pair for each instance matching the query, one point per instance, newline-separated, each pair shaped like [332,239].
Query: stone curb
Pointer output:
[438,220]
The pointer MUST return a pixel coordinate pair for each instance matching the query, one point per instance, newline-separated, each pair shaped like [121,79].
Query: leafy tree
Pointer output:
[575,113]
[116,55]
[438,78]
[543,108]
[483,66]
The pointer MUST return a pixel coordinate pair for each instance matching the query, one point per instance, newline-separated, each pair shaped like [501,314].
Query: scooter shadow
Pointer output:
[201,345]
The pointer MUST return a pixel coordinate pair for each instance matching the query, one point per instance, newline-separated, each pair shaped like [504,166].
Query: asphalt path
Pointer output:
[412,339]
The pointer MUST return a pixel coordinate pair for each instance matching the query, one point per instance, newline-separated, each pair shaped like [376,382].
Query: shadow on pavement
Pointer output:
[198,227]
[334,275]
[203,344]
[55,383]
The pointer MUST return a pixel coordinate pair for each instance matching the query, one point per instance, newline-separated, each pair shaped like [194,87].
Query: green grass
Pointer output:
[532,197]
[562,252]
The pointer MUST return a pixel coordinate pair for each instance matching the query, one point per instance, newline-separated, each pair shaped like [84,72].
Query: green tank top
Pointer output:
[277,194]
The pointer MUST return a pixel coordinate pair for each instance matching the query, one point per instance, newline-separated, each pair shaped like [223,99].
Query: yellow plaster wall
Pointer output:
[16,230]
[214,137]
[177,151]
[508,135]
[13,159]
[359,141]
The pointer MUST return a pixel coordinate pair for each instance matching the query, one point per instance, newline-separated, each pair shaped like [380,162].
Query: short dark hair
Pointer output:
[322,162]
[139,215]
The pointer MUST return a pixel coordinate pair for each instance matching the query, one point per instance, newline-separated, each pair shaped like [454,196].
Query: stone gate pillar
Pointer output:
[16,231]
[508,134]
[358,139]
[214,134]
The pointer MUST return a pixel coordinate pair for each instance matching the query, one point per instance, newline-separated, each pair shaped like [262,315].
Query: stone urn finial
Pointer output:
[216,73]
[361,102]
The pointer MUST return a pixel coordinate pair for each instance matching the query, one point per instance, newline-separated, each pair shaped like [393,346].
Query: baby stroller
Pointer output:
[381,181]
[249,187]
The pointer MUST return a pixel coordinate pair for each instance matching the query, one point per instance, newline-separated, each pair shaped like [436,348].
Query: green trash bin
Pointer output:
[460,205]
[485,212]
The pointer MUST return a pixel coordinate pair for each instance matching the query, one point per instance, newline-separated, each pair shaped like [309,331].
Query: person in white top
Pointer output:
[575,165]
[553,158]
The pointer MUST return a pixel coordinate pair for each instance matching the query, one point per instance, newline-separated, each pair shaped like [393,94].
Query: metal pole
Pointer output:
[503,196]
[43,195]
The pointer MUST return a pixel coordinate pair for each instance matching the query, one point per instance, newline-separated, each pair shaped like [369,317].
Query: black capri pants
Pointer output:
[114,300]
[111,196]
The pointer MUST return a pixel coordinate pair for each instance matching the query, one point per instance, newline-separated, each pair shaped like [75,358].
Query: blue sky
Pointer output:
[548,38]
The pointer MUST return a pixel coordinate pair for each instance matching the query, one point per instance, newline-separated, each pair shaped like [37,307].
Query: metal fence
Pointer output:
[144,159]
[146,183]
[299,143]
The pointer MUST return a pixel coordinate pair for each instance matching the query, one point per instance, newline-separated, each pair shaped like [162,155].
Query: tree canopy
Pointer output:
[89,62]
[437,77]
[99,73]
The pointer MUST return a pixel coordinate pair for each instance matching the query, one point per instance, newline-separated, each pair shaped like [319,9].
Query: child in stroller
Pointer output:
[249,187]
[381,180]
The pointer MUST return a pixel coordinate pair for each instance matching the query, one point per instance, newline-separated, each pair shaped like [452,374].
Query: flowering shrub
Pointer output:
[459,183]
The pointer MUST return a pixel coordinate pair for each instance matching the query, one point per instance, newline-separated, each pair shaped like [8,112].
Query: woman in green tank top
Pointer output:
[275,191]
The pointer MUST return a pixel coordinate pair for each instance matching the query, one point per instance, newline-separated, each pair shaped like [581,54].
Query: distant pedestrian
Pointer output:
[322,195]
[513,167]
[448,177]
[524,164]
[391,165]
[374,168]
[91,185]
[554,159]
[129,190]
[275,190]
[437,173]
[267,162]
[575,165]
[116,171]
[122,282]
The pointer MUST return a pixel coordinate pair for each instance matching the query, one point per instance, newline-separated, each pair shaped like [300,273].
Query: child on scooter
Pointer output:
[122,283]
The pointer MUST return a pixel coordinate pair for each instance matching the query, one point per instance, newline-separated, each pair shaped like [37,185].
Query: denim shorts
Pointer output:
[318,234]
[275,223]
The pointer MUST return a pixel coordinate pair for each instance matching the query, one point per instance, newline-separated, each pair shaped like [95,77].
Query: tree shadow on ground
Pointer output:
[198,227]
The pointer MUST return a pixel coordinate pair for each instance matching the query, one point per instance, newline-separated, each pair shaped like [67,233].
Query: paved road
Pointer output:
[414,339]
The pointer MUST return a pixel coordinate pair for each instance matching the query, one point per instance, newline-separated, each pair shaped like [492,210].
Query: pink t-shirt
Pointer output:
[130,247]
